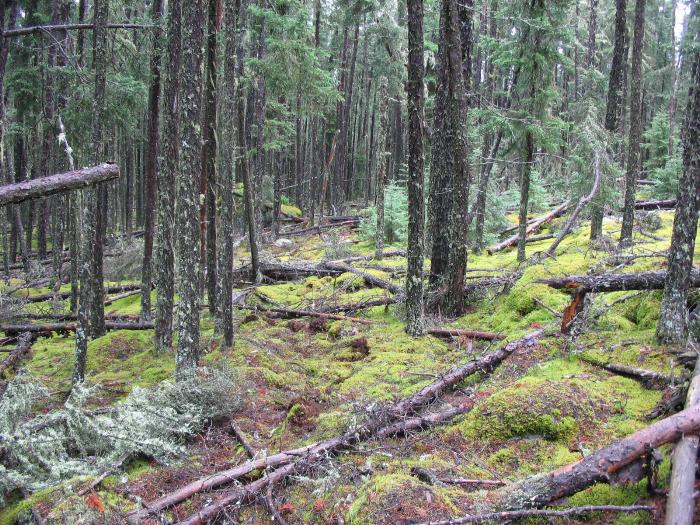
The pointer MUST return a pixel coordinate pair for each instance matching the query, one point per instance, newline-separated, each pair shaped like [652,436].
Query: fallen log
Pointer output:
[356,258]
[581,204]
[45,186]
[680,505]
[120,288]
[648,378]
[47,329]
[391,422]
[10,33]
[611,282]
[602,466]
[292,314]
[531,228]
[430,477]
[507,516]
[320,227]
[470,334]
[74,317]
[367,277]
[667,204]
[23,346]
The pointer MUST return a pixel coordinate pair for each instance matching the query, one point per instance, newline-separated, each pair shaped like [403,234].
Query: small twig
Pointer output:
[548,308]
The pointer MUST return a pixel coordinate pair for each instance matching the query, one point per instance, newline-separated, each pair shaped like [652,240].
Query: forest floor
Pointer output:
[308,379]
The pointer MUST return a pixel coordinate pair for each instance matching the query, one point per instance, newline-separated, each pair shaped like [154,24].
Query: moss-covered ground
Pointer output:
[306,380]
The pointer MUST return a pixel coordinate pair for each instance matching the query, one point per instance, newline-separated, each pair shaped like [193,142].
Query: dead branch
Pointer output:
[48,329]
[607,465]
[648,378]
[11,33]
[470,334]
[680,505]
[531,228]
[45,186]
[514,514]
[23,347]
[291,314]
[121,288]
[392,422]
[667,204]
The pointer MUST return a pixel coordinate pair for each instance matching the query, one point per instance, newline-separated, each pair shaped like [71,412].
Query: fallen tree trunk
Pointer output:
[74,317]
[391,422]
[45,186]
[602,466]
[321,227]
[45,330]
[23,346]
[292,314]
[680,505]
[509,515]
[368,278]
[649,378]
[11,33]
[531,228]
[581,204]
[121,288]
[667,204]
[611,282]
[470,334]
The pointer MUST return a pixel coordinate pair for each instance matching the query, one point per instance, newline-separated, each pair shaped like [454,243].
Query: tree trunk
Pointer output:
[416,211]
[187,196]
[208,171]
[614,104]
[381,165]
[167,175]
[152,151]
[672,326]
[634,161]
[525,193]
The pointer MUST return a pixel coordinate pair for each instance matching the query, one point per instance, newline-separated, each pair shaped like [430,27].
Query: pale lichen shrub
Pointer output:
[80,439]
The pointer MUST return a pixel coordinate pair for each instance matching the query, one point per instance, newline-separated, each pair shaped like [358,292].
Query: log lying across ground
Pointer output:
[119,288]
[531,228]
[610,282]
[649,378]
[680,506]
[602,466]
[470,334]
[23,346]
[667,204]
[45,186]
[45,330]
[293,314]
[394,421]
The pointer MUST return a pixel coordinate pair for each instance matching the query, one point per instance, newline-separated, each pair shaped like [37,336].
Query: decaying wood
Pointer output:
[23,346]
[581,204]
[649,378]
[430,477]
[680,506]
[507,516]
[321,227]
[367,277]
[531,228]
[11,33]
[391,422]
[610,282]
[74,317]
[120,288]
[293,314]
[45,186]
[667,204]
[603,466]
[469,334]
[47,329]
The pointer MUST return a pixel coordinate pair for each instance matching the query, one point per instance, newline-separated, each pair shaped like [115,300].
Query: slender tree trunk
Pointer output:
[381,165]
[224,305]
[614,104]
[416,211]
[208,173]
[187,191]
[167,175]
[634,161]
[152,152]
[672,326]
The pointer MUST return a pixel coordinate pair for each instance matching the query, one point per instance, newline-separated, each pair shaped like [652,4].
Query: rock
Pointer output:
[283,243]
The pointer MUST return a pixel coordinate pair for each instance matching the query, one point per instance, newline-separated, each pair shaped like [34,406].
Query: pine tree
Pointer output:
[672,326]
[187,229]
[416,217]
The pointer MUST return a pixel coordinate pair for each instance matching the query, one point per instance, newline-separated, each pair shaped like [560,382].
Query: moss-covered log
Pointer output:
[603,466]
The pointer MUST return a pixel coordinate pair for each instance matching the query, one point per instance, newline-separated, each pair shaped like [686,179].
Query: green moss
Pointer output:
[21,511]
[532,407]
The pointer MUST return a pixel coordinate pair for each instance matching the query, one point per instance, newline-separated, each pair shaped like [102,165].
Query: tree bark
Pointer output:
[672,326]
[416,206]
[152,151]
[53,184]
[634,161]
[187,192]
[167,175]
[381,165]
